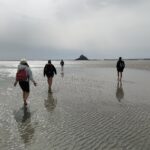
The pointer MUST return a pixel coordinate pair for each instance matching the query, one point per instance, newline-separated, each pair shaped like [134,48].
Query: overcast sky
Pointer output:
[42,29]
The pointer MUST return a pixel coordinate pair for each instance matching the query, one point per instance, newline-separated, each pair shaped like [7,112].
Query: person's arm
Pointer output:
[15,83]
[117,65]
[44,70]
[31,76]
[55,70]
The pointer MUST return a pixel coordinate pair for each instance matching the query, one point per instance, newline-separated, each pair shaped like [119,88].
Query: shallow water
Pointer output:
[85,111]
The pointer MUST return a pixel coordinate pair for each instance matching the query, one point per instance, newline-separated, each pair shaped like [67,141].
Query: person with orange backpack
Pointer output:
[23,76]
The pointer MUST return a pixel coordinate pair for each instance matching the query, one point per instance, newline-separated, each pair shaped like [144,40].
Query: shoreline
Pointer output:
[141,64]
[90,59]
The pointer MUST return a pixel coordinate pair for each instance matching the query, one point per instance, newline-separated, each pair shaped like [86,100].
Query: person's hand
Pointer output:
[35,84]
[15,83]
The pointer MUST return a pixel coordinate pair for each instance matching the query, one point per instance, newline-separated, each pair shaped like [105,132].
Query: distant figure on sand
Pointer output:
[23,76]
[119,91]
[49,71]
[62,65]
[120,67]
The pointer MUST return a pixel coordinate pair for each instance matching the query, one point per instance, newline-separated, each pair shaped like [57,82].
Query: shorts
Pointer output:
[24,86]
[120,70]
[50,75]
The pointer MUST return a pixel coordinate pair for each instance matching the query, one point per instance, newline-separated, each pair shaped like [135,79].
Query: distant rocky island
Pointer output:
[82,57]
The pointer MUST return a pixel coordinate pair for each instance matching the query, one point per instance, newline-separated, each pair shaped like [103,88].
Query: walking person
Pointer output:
[62,65]
[49,71]
[120,67]
[23,76]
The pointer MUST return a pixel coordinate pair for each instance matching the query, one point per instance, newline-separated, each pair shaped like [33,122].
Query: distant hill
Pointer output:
[82,57]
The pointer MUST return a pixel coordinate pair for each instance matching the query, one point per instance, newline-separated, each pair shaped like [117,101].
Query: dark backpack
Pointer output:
[21,75]
[121,65]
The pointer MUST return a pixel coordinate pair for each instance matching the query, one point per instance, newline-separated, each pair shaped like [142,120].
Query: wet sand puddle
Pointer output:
[83,112]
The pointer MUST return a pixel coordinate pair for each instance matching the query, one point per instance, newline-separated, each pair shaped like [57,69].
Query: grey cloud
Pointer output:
[79,7]
[99,28]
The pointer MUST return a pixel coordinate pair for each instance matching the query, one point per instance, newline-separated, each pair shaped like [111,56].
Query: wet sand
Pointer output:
[87,110]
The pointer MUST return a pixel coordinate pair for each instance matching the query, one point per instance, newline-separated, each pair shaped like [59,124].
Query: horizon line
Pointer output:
[76,60]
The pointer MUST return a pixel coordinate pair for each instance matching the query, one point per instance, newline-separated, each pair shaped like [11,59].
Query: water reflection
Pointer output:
[62,74]
[62,69]
[23,118]
[50,102]
[119,91]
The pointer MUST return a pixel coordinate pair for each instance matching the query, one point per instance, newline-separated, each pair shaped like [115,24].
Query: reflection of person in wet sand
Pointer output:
[23,117]
[62,74]
[26,114]
[119,91]
[50,102]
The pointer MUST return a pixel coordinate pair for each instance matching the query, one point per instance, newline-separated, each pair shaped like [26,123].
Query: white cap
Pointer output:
[23,61]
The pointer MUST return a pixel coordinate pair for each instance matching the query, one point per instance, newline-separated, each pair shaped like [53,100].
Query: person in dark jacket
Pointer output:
[62,65]
[49,71]
[120,67]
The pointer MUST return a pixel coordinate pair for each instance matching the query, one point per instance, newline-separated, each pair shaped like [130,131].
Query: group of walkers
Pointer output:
[24,75]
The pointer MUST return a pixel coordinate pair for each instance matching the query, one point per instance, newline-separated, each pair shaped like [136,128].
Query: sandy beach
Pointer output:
[87,110]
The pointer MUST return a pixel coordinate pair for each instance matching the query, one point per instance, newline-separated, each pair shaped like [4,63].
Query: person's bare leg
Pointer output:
[25,96]
[121,84]
[50,79]
[118,75]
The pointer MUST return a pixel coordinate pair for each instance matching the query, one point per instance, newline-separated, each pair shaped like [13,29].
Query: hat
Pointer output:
[23,61]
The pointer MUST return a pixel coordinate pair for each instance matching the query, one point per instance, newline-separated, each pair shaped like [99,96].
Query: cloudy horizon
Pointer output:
[68,28]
